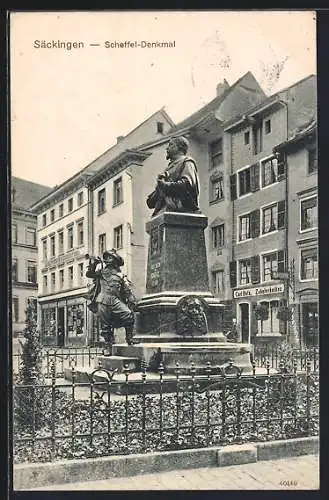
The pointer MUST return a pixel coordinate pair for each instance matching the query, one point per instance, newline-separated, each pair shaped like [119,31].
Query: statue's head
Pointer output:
[111,258]
[176,146]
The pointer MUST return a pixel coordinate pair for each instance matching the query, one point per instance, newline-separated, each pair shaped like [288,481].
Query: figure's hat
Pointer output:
[115,255]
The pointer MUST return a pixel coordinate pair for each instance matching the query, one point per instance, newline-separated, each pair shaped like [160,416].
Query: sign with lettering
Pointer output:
[259,290]
[154,273]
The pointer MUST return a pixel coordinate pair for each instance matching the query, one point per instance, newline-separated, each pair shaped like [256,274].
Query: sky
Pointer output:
[69,106]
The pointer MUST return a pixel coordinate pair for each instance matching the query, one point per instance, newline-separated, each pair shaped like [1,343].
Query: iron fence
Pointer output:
[275,354]
[88,419]
[62,357]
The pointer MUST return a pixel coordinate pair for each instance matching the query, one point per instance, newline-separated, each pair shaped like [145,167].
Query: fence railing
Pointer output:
[298,356]
[88,419]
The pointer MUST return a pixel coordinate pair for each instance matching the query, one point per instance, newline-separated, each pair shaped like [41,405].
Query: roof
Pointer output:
[210,107]
[264,104]
[306,129]
[26,193]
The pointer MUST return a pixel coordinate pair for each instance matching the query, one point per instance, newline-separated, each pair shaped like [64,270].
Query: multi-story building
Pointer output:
[24,248]
[259,205]
[77,218]
[300,156]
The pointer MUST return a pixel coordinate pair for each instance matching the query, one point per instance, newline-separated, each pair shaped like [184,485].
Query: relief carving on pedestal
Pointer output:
[191,316]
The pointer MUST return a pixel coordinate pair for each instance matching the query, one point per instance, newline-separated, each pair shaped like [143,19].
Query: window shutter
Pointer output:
[281,261]
[254,177]
[233,186]
[281,214]
[233,273]
[255,269]
[255,223]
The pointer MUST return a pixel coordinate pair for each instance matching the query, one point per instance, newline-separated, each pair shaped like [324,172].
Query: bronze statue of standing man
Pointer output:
[177,188]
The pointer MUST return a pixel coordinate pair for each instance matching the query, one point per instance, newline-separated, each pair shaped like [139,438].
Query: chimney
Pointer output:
[119,138]
[221,87]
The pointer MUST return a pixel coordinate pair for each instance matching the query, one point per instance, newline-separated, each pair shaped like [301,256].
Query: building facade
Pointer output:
[300,155]
[24,248]
[260,204]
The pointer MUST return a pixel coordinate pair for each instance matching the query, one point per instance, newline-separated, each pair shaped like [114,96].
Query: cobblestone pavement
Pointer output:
[285,474]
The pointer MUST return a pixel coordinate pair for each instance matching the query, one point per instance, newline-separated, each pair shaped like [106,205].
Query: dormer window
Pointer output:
[160,127]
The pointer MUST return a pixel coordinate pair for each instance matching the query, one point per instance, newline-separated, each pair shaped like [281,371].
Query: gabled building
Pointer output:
[78,217]
[259,207]
[299,153]
[23,247]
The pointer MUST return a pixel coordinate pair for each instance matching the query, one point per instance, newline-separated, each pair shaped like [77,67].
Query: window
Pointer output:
[61,278]
[70,204]
[244,227]
[61,210]
[308,213]
[44,249]
[52,246]
[53,281]
[273,263]
[31,238]
[52,215]
[31,271]
[70,271]
[70,238]
[14,270]
[80,198]
[75,321]
[80,273]
[117,191]
[15,310]
[270,219]
[80,233]
[244,182]
[101,244]
[216,153]
[61,242]
[274,217]
[257,134]
[267,126]
[45,284]
[270,323]
[247,137]
[269,172]
[218,283]
[312,160]
[309,264]
[160,127]
[44,219]
[101,201]
[244,271]
[218,236]
[216,189]
[118,237]
[14,233]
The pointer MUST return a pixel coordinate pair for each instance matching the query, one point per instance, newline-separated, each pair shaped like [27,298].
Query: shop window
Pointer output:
[310,318]
[14,233]
[309,264]
[75,321]
[101,244]
[216,153]
[48,322]
[117,237]
[15,309]
[309,213]
[269,323]
[31,238]
[218,283]
[244,271]
[117,191]
[218,236]
[101,197]
[14,269]
[31,271]
[216,189]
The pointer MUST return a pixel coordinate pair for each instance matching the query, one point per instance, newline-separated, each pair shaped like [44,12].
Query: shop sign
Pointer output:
[258,290]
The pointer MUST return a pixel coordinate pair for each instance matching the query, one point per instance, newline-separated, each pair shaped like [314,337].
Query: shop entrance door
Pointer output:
[244,321]
[60,326]
[311,324]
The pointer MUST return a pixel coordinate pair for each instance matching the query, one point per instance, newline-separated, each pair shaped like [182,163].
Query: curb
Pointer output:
[29,476]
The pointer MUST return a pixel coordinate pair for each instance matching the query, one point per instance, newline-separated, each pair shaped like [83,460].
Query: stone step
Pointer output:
[118,363]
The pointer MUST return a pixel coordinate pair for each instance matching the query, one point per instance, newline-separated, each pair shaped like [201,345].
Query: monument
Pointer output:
[178,319]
